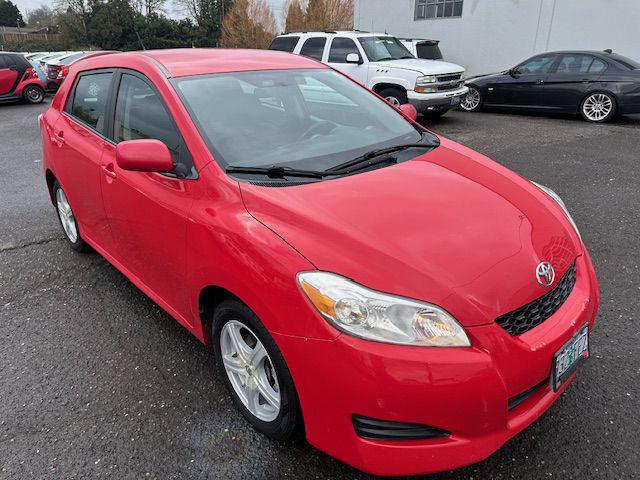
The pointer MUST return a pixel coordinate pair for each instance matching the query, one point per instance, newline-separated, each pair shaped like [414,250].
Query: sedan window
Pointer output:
[575,63]
[536,65]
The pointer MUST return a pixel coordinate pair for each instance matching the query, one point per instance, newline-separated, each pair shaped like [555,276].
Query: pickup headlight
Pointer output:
[559,201]
[427,81]
[381,317]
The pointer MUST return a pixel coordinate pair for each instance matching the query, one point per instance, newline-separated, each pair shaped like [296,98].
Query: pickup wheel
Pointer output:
[395,96]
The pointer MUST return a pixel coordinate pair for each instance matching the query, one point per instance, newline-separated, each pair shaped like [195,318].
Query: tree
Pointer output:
[10,16]
[249,24]
[111,25]
[208,15]
[329,15]
[294,19]
[148,7]
[43,16]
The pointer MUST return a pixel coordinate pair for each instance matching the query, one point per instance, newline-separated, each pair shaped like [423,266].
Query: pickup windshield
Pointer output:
[311,119]
[380,49]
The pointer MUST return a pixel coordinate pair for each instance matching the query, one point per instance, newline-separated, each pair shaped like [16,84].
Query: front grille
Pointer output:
[448,78]
[451,86]
[375,429]
[534,313]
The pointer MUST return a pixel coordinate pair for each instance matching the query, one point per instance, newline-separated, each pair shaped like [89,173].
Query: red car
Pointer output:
[19,80]
[408,301]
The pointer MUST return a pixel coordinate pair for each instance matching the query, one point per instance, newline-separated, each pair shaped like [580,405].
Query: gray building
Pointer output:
[488,36]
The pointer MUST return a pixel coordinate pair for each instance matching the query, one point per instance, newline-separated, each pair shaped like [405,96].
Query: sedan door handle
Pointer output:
[539,81]
[109,170]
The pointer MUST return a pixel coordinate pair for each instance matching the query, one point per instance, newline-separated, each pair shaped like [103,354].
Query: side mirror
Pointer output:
[409,111]
[514,72]
[144,156]
[354,58]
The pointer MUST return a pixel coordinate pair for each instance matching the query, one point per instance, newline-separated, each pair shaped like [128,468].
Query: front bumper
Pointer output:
[462,390]
[426,102]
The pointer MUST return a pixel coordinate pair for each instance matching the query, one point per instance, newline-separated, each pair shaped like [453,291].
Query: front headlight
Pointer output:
[559,201]
[372,315]
[426,80]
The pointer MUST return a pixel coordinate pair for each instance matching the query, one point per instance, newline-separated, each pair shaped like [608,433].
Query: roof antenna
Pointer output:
[139,39]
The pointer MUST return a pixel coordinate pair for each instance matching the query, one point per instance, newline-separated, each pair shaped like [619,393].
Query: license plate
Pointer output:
[569,357]
[455,101]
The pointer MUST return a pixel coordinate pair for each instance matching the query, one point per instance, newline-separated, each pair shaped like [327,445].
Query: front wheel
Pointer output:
[598,107]
[33,94]
[394,96]
[473,101]
[254,371]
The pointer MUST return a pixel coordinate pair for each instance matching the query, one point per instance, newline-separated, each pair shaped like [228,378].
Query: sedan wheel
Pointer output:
[472,101]
[250,371]
[598,107]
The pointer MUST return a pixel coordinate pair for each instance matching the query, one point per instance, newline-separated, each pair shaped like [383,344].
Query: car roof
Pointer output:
[354,33]
[200,61]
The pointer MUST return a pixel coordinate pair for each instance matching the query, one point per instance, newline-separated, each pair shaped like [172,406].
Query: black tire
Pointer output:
[288,421]
[467,105]
[394,94]
[77,243]
[33,94]
[592,117]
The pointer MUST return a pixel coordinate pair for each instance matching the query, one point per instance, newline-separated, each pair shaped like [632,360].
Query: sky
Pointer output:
[25,5]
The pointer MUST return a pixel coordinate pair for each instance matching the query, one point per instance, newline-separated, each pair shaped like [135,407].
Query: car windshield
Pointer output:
[312,119]
[379,49]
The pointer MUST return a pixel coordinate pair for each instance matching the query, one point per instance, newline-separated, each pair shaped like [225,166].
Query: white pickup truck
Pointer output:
[383,64]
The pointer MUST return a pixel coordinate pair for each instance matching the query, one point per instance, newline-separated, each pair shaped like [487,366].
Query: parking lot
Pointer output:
[97,381]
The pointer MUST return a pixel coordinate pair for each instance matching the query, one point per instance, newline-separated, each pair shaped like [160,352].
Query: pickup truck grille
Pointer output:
[449,78]
[450,86]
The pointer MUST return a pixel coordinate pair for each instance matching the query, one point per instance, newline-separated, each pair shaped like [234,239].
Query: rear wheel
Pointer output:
[254,371]
[395,96]
[68,219]
[33,94]
[473,101]
[598,107]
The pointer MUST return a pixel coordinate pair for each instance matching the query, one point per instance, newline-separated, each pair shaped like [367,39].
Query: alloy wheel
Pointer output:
[250,370]
[597,107]
[471,101]
[67,219]
[393,101]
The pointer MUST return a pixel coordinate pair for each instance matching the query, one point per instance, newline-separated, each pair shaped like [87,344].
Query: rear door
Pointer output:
[572,77]
[8,74]
[79,136]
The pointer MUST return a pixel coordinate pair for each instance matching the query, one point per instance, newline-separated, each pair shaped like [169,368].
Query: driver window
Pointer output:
[140,113]
[340,48]
[536,66]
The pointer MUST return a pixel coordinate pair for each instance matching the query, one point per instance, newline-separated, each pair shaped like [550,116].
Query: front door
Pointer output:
[8,74]
[148,211]
[337,58]
[79,136]
[523,84]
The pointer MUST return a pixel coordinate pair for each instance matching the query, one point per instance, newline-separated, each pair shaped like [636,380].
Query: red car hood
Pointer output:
[450,227]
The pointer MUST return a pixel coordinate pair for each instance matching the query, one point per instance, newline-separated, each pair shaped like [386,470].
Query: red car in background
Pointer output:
[409,302]
[57,72]
[19,80]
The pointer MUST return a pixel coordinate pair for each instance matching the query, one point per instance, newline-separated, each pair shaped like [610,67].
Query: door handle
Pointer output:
[59,138]
[539,81]
[109,170]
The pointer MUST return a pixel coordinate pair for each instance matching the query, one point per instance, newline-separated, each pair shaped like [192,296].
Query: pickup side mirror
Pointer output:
[354,58]
[144,156]
[409,111]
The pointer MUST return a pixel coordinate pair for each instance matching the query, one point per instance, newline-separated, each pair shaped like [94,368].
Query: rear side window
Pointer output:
[284,44]
[140,113]
[90,100]
[313,47]
[340,48]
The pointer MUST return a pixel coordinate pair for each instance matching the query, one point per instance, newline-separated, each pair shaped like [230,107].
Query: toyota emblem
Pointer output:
[545,274]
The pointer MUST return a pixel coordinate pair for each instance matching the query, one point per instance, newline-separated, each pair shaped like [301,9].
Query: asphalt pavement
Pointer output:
[97,381]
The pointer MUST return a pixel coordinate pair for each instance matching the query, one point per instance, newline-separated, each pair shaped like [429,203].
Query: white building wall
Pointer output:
[494,35]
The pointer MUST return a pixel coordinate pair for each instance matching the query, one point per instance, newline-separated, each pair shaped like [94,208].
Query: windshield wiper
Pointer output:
[280,172]
[365,159]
